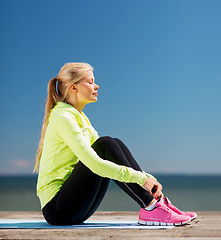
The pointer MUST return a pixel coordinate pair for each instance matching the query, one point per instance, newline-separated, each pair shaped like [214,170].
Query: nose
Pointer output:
[96,87]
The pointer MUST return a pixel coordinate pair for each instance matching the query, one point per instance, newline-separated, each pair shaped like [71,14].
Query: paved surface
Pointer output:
[206,226]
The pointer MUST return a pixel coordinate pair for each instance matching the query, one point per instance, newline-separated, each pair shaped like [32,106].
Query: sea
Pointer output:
[187,192]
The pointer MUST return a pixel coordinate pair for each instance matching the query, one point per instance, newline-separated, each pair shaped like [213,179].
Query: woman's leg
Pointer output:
[128,155]
[83,191]
[78,198]
[114,150]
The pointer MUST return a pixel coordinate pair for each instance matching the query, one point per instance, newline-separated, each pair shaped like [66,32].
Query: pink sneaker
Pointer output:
[161,215]
[168,203]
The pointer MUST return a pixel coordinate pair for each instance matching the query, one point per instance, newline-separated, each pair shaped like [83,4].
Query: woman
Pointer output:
[76,165]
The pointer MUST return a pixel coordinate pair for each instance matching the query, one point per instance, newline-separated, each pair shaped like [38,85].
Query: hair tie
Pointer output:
[57,88]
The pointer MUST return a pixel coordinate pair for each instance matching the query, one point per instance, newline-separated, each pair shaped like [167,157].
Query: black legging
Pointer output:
[83,191]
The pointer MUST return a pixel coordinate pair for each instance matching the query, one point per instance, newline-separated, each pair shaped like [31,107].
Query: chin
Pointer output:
[92,100]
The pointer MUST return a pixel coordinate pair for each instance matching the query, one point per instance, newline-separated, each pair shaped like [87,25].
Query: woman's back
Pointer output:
[58,160]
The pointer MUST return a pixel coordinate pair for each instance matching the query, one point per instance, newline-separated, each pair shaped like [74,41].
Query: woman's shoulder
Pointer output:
[63,109]
[64,112]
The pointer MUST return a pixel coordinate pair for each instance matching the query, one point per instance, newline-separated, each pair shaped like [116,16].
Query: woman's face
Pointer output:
[87,89]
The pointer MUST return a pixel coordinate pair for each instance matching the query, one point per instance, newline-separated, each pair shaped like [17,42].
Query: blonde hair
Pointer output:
[57,92]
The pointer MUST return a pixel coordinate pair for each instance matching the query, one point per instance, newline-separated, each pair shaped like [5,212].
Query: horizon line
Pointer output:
[155,173]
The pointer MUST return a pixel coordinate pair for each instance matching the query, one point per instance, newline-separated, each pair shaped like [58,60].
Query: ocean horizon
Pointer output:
[186,191]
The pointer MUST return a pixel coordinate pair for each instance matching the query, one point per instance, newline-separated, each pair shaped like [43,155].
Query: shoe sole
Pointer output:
[153,223]
[194,217]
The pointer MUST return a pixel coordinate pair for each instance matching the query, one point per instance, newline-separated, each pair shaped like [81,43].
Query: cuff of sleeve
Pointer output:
[136,176]
[141,178]
[148,175]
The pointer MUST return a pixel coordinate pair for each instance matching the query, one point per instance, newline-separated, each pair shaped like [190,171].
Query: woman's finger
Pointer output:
[157,190]
[157,193]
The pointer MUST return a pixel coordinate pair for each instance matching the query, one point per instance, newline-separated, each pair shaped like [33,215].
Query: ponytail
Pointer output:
[52,99]
[57,92]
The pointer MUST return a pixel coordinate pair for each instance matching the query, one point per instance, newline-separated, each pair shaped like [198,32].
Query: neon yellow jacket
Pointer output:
[68,139]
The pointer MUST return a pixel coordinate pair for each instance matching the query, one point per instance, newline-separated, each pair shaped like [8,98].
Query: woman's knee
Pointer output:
[101,141]
[101,144]
[106,141]
[118,140]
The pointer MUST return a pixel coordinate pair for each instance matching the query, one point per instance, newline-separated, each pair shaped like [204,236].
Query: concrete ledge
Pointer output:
[206,226]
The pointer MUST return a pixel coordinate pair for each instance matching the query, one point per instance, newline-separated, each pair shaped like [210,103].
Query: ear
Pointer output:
[74,88]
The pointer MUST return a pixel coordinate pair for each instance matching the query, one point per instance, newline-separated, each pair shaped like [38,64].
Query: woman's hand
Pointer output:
[153,187]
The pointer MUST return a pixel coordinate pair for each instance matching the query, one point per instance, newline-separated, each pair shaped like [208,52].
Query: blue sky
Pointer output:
[158,64]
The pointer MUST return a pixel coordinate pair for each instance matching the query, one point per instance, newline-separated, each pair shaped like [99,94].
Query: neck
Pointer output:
[79,106]
[73,101]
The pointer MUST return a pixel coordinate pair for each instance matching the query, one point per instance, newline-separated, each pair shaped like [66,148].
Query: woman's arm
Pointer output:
[148,175]
[67,128]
